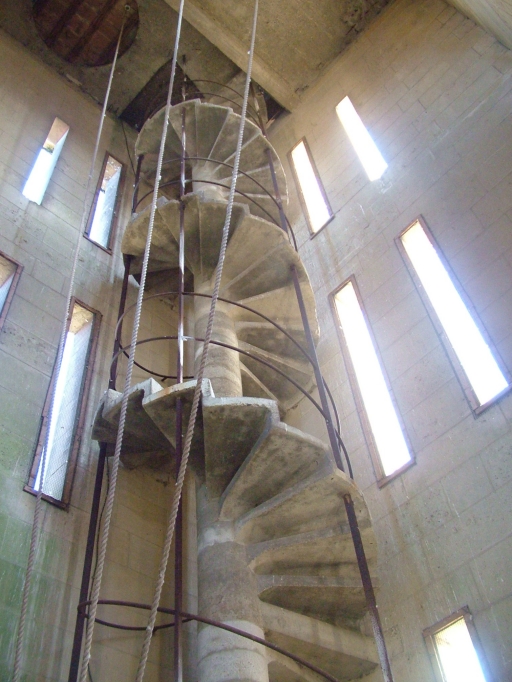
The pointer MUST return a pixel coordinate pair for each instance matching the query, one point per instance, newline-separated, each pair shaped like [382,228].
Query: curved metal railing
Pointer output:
[187,617]
[212,182]
[124,349]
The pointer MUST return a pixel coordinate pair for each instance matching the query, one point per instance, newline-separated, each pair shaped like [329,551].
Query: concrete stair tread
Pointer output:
[248,182]
[328,552]
[148,140]
[212,133]
[280,458]
[313,504]
[231,427]
[252,386]
[161,409]
[346,654]
[270,339]
[258,260]
[164,246]
[297,367]
[284,669]
[141,436]
[281,306]
[287,393]
[334,600]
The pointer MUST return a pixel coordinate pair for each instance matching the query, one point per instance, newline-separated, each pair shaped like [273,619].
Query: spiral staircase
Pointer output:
[275,554]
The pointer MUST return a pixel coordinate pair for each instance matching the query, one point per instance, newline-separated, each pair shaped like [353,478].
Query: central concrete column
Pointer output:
[223,364]
[227,593]
[204,171]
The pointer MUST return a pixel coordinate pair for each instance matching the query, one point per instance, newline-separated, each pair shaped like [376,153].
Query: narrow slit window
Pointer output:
[480,368]
[40,175]
[311,191]
[10,272]
[361,140]
[70,391]
[452,645]
[106,203]
[388,438]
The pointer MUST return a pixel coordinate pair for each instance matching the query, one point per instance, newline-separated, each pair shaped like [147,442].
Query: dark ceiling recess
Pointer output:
[86,31]
[153,95]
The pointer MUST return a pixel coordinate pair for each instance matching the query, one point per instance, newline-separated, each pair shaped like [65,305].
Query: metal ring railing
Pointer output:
[230,166]
[125,349]
[187,617]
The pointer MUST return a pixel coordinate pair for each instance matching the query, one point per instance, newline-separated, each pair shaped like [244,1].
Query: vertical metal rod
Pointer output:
[318,375]
[122,304]
[178,541]
[258,111]
[74,666]
[368,589]
[307,329]
[284,224]
[135,198]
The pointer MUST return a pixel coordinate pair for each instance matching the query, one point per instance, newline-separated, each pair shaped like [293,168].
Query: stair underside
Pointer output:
[256,274]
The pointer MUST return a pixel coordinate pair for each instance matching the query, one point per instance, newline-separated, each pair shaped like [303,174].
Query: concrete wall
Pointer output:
[42,238]
[435,91]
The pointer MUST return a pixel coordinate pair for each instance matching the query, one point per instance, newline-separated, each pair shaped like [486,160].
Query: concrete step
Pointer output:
[286,392]
[143,443]
[270,339]
[258,260]
[257,266]
[281,306]
[231,428]
[248,181]
[329,552]
[279,459]
[346,654]
[252,386]
[211,133]
[160,407]
[313,504]
[339,601]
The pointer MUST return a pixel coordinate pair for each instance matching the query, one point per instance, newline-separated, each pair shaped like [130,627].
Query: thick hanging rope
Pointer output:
[34,538]
[127,386]
[197,392]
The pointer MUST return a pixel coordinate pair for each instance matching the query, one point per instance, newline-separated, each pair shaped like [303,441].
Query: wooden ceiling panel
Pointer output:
[86,31]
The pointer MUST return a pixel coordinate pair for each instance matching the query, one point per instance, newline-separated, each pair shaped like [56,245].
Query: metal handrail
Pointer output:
[207,621]
[123,349]
[228,165]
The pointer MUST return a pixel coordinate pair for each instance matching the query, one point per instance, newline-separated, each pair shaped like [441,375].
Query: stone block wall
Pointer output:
[43,238]
[435,91]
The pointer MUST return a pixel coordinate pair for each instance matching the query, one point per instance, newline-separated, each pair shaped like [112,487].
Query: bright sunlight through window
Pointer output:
[365,147]
[40,175]
[7,272]
[456,654]
[389,439]
[106,199]
[68,392]
[473,352]
[316,206]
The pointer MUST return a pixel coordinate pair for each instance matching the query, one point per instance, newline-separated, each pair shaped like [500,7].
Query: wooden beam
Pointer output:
[76,50]
[233,48]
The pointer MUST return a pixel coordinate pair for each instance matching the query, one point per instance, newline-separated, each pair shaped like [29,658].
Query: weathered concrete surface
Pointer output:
[152,48]
[227,592]
[346,654]
[294,45]
[434,91]
[280,458]
[233,426]
[495,16]
[314,503]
